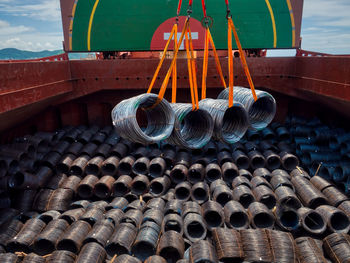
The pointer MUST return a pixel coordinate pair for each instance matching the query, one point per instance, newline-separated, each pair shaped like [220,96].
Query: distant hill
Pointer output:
[13,53]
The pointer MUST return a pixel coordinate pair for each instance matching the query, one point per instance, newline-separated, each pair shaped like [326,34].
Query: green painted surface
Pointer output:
[129,25]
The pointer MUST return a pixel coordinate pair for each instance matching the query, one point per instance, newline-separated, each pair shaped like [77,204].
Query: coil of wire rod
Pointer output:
[337,221]
[125,259]
[287,218]
[256,246]
[94,165]
[172,222]
[243,195]
[159,186]
[202,251]
[194,227]
[160,119]
[309,251]
[196,173]
[41,198]
[115,215]
[136,204]
[155,259]
[320,183]
[265,195]
[100,232]
[241,180]
[280,172]
[121,240]
[345,207]
[191,207]
[334,196]
[157,167]
[103,188]
[273,161]
[72,215]
[279,180]
[235,215]
[257,160]
[215,184]
[156,203]
[213,172]
[92,214]
[170,195]
[200,192]
[264,173]
[86,186]
[120,150]
[283,248]
[222,194]
[312,221]
[309,194]
[10,231]
[9,258]
[25,237]
[289,161]
[260,216]
[337,247]
[141,166]
[173,206]
[229,172]
[61,256]
[91,252]
[228,245]
[171,246]
[245,173]
[77,167]
[49,216]
[224,156]
[133,216]
[261,112]
[192,129]
[140,184]
[73,238]
[45,243]
[33,258]
[79,204]
[122,186]
[72,182]
[146,240]
[241,159]
[179,173]
[213,214]
[183,191]
[153,215]
[286,197]
[110,166]
[125,165]
[230,124]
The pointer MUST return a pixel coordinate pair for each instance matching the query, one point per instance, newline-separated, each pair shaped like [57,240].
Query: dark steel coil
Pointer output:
[287,218]
[244,195]
[155,259]
[273,161]
[222,194]
[224,157]
[194,227]
[51,159]
[192,129]
[172,222]
[122,185]
[257,160]
[215,184]
[345,207]
[153,215]
[156,203]
[78,166]
[141,166]
[140,184]
[137,205]
[191,207]
[200,192]
[79,204]
[33,258]
[73,237]
[183,191]
[202,251]
[300,172]
[121,240]
[45,243]
[101,204]
[229,172]
[241,159]
[94,165]
[245,173]
[9,258]
[146,240]
[337,247]
[103,188]
[334,196]
[56,181]
[72,182]
[213,172]
[280,172]
[9,230]
[279,180]
[22,180]
[92,214]
[110,166]
[286,197]
[125,259]
[262,172]
[61,256]
[256,246]
[312,221]
[251,146]
[120,150]
[337,221]
[235,215]
[125,165]
[159,186]
[133,216]
[268,147]
[40,201]
[289,161]
[89,149]
[85,136]
[309,251]
[320,183]
[92,252]
[72,215]
[115,215]
[283,248]
[169,156]
[309,194]
[100,232]
[213,214]
[60,200]
[171,246]
[179,173]
[265,195]
[157,167]
[160,119]
[25,237]
[86,186]
[48,216]
[196,173]
[75,148]
[260,216]
[173,206]
[228,245]
[102,150]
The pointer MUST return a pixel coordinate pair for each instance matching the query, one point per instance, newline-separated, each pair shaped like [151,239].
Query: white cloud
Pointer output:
[6,29]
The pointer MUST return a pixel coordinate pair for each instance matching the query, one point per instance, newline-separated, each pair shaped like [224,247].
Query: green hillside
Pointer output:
[13,53]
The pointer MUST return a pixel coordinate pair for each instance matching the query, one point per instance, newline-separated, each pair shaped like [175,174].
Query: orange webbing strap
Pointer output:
[230,66]
[190,73]
[174,75]
[217,61]
[205,65]
[167,77]
[243,59]
[194,70]
[162,60]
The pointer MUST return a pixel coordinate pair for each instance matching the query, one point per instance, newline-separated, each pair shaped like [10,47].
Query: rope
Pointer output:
[194,70]
[230,65]
[174,74]
[189,65]
[205,65]
[217,61]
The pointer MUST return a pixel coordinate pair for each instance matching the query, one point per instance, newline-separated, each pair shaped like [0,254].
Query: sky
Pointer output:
[36,25]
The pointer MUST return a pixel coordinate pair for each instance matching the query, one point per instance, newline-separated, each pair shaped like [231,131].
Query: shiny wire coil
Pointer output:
[192,129]
[261,112]
[230,123]
[160,119]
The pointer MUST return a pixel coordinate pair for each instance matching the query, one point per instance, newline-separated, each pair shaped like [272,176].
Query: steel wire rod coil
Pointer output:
[230,123]
[160,119]
[261,112]
[192,129]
